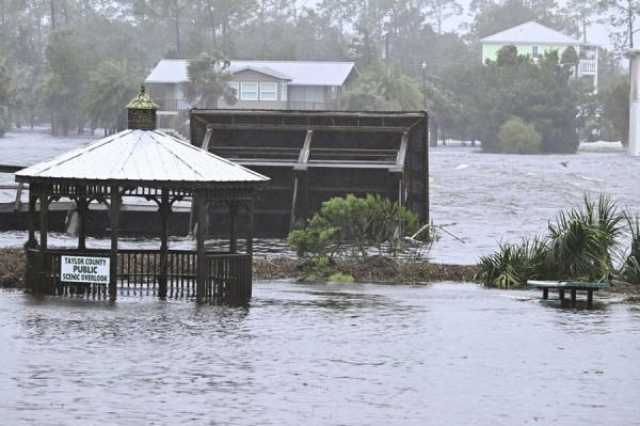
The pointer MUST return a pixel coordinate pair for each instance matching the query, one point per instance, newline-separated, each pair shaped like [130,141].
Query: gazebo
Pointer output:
[142,162]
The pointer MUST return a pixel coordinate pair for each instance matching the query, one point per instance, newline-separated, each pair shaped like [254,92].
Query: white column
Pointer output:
[634,103]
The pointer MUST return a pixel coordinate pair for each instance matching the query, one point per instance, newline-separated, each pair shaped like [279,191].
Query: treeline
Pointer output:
[74,63]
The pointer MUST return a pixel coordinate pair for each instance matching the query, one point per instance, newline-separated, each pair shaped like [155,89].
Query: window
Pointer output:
[534,51]
[268,91]
[249,90]
[283,94]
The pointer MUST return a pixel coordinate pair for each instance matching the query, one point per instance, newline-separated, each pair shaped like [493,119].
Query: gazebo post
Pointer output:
[33,197]
[115,224]
[233,237]
[82,207]
[202,270]
[250,230]
[165,209]
[43,275]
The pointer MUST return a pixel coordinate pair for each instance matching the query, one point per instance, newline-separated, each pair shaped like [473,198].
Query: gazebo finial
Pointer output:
[142,111]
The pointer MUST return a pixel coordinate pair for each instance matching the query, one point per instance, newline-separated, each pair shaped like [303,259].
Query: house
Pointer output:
[534,39]
[301,85]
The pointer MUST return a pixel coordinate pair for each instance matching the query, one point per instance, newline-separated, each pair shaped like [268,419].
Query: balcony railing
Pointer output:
[587,67]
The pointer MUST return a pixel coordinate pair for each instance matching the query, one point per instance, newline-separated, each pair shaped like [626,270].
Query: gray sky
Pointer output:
[598,34]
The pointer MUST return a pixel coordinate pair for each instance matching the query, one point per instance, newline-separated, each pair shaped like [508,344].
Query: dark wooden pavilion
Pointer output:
[312,156]
[146,163]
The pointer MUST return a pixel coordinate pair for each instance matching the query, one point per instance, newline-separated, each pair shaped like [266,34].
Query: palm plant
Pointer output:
[513,264]
[582,239]
[631,267]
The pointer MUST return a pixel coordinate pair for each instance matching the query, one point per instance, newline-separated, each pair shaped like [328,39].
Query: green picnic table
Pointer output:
[573,286]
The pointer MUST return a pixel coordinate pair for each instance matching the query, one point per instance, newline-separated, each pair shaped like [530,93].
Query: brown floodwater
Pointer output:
[446,354]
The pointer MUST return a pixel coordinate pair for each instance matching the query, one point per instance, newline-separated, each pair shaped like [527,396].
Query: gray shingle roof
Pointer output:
[303,73]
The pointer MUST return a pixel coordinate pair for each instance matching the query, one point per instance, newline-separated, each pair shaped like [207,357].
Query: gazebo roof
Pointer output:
[141,157]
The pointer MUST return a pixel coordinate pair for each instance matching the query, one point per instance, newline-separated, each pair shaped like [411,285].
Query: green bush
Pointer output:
[350,226]
[517,137]
[5,120]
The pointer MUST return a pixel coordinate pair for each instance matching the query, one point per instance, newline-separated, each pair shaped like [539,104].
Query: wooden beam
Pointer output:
[18,202]
[165,211]
[33,197]
[206,141]
[304,127]
[114,211]
[305,152]
[233,237]
[306,113]
[83,208]
[201,233]
[10,168]
[294,201]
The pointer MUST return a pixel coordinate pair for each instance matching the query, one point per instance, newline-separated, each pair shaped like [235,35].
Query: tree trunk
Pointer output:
[177,24]
[52,7]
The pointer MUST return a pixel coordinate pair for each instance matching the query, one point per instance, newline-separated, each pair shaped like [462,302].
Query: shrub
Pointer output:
[513,264]
[582,239]
[631,267]
[517,137]
[352,225]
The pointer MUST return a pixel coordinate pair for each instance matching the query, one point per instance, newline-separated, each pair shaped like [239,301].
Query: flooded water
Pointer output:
[447,354]
[481,199]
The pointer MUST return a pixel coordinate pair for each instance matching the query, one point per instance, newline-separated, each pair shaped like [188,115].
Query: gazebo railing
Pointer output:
[139,273]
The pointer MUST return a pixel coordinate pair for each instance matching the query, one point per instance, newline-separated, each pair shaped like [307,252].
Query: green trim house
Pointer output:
[534,39]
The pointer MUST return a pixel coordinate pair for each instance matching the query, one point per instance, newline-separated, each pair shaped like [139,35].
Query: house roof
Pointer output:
[141,156]
[301,73]
[531,32]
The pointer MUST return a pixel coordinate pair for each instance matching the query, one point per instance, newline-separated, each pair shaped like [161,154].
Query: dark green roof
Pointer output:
[142,101]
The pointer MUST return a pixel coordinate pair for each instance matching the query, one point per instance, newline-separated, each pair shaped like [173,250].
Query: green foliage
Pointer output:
[513,264]
[380,88]
[352,225]
[5,120]
[208,77]
[578,246]
[631,267]
[582,239]
[539,93]
[110,88]
[517,137]
[615,110]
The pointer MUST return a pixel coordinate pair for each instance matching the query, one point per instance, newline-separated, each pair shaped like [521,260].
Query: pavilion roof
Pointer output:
[141,156]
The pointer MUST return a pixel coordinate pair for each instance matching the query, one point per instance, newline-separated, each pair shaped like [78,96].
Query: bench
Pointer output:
[573,286]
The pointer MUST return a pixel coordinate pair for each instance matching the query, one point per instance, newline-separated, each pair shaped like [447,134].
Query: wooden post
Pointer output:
[545,293]
[43,272]
[44,215]
[250,205]
[115,227]
[83,207]
[233,238]
[589,298]
[573,297]
[202,269]
[33,197]
[164,210]
[561,294]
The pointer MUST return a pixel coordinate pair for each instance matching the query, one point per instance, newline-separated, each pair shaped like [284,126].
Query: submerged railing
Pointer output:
[139,272]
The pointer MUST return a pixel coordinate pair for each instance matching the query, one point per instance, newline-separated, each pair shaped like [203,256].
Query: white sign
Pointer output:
[84,269]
